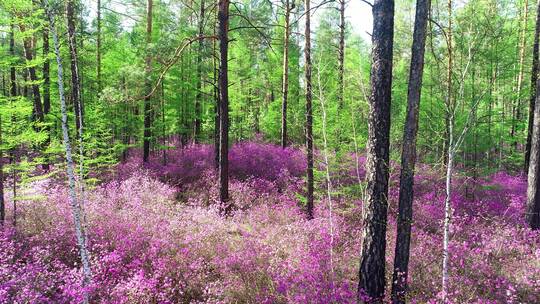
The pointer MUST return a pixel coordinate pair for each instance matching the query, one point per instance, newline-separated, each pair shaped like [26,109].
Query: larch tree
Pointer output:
[309,112]
[372,260]
[408,154]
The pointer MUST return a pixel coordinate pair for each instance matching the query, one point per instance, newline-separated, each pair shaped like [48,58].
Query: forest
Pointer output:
[269,151]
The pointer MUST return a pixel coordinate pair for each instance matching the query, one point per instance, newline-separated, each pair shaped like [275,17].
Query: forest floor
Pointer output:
[156,235]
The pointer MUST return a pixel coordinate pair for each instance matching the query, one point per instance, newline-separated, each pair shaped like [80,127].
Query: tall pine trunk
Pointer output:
[309,113]
[223,35]
[534,77]
[372,261]
[408,154]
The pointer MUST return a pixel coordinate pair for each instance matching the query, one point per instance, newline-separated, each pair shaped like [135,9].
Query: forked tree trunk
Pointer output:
[372,261]
[309,113]
[408,155]
[223,35]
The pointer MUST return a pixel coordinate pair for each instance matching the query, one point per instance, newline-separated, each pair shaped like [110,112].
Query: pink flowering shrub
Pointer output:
[156,236]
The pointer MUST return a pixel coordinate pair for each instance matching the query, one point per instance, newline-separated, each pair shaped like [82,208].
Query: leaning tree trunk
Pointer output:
[223,35]
[408,155]
[76,207]
[534,77]
[148,113]
[309,113]
[285,81]
[372,261]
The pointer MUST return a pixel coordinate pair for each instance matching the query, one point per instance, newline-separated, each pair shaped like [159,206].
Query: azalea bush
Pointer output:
[156,236]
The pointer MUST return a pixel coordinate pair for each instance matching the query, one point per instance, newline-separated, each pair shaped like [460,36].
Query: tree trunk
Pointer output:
[534,77]
[450,158]
[46,73]
[223,35]
[198,99]
[75,83]
[76,207]
[216,102]
[148,113]
[341,55]
[285,83]
[309,113]
[372,262]
[408,154]
[98,47]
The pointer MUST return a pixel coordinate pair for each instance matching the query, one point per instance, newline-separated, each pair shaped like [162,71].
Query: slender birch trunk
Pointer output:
[76,207]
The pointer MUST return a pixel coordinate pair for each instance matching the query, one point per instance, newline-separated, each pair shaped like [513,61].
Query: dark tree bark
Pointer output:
[309,113]
[372,262]
[533,186]
[285,81]
[408,154]
[198,99]
[148,113]
[223,35]
[75,81]
[534,77]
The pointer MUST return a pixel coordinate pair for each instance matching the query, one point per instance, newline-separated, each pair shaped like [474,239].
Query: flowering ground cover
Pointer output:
[156,235]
